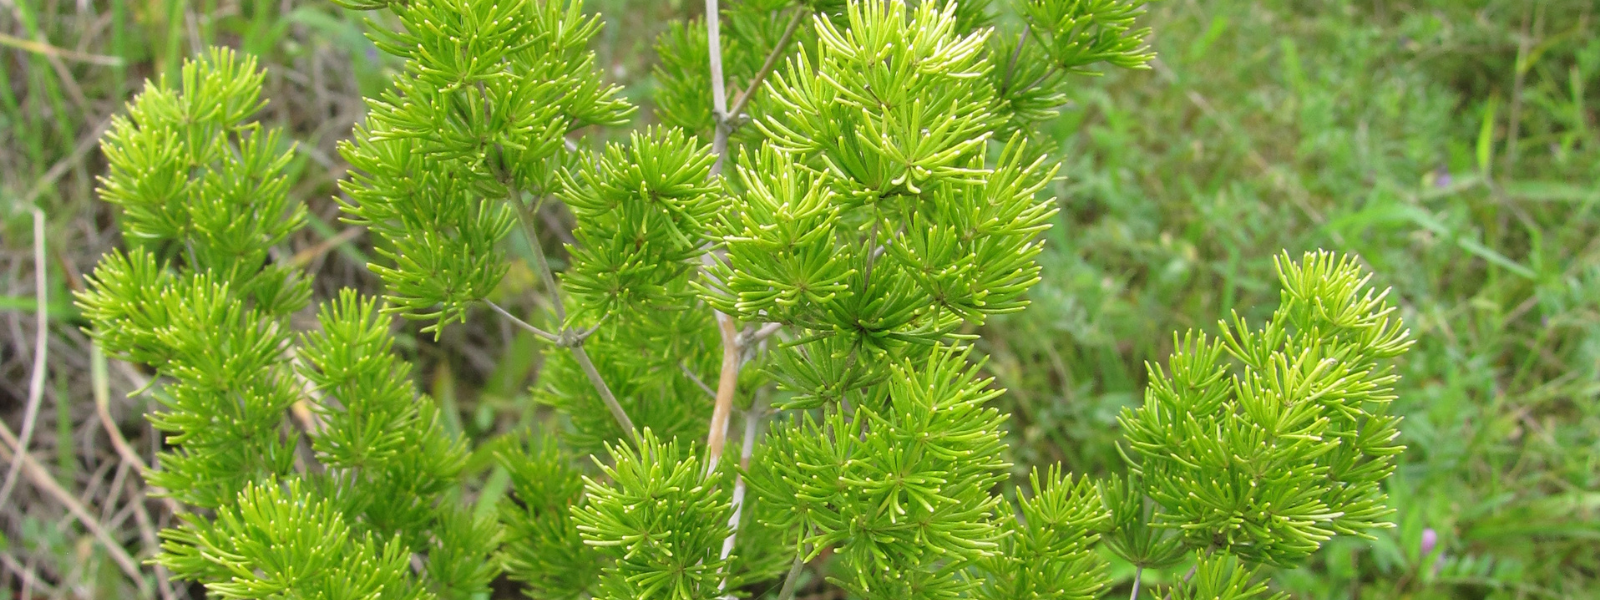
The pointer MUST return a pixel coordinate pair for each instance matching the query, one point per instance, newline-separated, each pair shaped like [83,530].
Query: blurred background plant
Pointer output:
[1454,145]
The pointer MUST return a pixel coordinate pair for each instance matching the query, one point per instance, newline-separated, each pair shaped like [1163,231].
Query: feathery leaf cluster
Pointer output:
[198,302]
[1275,455]
[479,117]
[660,518]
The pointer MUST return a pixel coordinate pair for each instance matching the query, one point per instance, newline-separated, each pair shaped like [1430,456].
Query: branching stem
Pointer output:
[1011,67]
[572,340]
[732,349]
[579,354]
[1138,574]
[547,336]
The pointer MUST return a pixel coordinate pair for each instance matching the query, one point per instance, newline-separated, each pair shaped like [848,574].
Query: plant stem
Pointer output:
[732,349]
[1011,67]
[521,323]
[794,577]
[727,120]
[599,384]
[1138,573]
[766,67]
[545,274]
[752,427]
[573,343]
[727,386]
[719,90]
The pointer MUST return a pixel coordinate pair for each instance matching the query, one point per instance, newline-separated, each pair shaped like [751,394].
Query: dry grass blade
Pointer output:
[41,355]
[48,50]
[46,483]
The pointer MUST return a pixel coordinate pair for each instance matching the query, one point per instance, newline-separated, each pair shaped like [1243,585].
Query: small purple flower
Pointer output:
[1430,538]
[1441,177]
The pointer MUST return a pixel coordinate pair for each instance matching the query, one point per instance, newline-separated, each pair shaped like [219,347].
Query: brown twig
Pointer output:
[727,386]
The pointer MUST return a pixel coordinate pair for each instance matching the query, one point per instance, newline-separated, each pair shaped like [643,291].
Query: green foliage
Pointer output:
[888,198]
[1050,550]
[1223,577]
[195,177]
[902,486]
[215,327]
[643,212]
[1271,459]
[543,548]
[478,117]
[224,409]
[273,543]
[660,519]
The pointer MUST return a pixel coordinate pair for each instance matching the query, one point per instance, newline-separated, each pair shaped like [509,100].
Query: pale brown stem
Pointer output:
[727,385]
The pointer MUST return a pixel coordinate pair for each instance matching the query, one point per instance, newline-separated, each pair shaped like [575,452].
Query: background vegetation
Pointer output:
[1453,144]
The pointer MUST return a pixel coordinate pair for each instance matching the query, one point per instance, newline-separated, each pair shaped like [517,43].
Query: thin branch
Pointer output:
[1011,67]
[1138,573]
[751,338]
[550,337]
[719,90]
[696,379]
[605,392]
[572,340]
[752,426]
[41,353]
[794,577]
[545,274]
[727,386]
[766,66]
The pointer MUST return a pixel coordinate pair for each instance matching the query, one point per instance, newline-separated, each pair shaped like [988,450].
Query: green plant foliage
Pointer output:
[660,519]
[223,409]
[478,118]
[901,487]
[196,178]
[643,213]
[272,543]
[886,196]
[213,322]
[1272,459]
[1222,576]
[1050,550]
[543,548]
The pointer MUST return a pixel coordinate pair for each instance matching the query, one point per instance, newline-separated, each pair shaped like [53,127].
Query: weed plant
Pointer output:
[1451,146]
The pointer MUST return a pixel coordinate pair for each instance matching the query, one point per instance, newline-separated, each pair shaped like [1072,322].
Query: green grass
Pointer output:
[1455,149]
[1454,145]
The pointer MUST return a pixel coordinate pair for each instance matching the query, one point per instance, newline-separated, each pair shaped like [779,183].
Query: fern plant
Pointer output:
[838,196]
